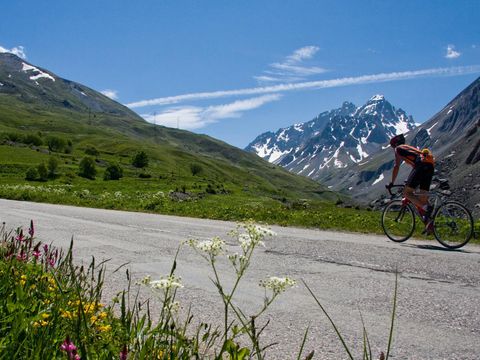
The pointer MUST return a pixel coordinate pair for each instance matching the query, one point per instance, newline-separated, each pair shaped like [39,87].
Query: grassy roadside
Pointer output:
[51,308]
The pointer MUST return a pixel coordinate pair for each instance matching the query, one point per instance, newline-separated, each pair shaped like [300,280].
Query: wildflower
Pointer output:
[102,315]
[277,284]
[45,248]
[69,347]
[247,241]
[23,280]
[41,323]
[20,236]
[145,281]
[170,282]
[31,230]
[66,314]
[172,307]
[124,353]
[104,328]
[22,256]
[212,247]
[36,253]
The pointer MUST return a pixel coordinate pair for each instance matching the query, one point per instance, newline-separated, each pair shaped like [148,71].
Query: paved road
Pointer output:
[438,313]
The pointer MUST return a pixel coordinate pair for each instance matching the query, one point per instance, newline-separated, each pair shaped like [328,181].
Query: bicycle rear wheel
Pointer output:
[398,221]
[453,225]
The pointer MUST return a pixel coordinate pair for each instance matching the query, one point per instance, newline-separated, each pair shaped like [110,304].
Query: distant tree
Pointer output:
[32,139]
[91,150]
[140,159]
[86,168]
[42,172]
[113,172]
[56,144]
[52,166]
[31,174]
[14,137]
[69,148]
[196,169]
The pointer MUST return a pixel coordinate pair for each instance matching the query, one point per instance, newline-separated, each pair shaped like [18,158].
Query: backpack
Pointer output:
[426,157]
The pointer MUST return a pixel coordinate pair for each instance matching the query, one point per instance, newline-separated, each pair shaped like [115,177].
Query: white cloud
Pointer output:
[311,85]
[292,68]
[195,117]
[112,94]
[17,50]
[304,53]
[452,53]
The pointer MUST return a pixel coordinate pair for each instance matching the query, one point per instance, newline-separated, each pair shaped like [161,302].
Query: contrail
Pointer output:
[310,85]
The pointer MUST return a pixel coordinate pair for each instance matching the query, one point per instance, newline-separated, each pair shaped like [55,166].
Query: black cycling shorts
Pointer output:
[421,176]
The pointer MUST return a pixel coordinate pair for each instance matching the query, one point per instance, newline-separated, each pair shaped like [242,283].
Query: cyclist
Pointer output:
[423,164]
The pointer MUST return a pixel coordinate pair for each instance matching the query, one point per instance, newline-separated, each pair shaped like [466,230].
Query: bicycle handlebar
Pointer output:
[389,188]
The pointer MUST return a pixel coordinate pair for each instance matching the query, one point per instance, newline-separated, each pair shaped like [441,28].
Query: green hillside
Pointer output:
[187,174]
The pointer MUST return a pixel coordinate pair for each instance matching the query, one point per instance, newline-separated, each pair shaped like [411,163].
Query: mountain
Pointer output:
[36,101]
[453,135]
[334,140]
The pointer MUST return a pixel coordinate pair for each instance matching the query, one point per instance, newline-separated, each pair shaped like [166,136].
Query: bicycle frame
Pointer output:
[436,203]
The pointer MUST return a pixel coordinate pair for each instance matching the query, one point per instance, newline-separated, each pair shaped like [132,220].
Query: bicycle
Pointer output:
[452,222]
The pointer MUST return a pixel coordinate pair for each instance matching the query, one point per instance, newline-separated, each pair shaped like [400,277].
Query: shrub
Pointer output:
[42,172]
[113,172]
[140,159]
[56,144]
[69,147]
[52,167]
[91,150]
[210,189]
[32,139]
[86,168]
[13,136]
[196,169]
[31,174]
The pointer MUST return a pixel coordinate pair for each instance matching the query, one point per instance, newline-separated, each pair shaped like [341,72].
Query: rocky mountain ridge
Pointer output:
[335,139]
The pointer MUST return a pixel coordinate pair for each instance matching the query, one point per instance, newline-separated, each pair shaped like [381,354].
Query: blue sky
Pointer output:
[233,70]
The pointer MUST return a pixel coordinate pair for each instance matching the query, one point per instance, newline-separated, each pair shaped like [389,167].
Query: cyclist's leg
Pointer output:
[414,181]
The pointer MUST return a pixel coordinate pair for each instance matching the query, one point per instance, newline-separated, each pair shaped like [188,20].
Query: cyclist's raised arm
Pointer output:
[396,167]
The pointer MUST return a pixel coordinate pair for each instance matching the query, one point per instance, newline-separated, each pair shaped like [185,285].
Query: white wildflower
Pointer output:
[212,247]
[166,283]
[277,284]
[247,241]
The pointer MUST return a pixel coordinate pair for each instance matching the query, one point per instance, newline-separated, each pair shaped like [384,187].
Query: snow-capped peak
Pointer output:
[377,98]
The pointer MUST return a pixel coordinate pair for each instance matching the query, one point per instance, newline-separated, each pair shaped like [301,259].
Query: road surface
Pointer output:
[438,315]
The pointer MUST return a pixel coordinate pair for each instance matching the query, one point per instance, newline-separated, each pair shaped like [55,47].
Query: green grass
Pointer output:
[232,184]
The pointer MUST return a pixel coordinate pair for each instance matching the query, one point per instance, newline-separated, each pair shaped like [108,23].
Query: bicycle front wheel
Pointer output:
[398,221]
[453,225]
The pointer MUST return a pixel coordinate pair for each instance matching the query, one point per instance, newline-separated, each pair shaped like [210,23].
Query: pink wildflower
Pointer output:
[45,248]
[36,254]
[22,256]
[69,347]
[31,231]
[20,236]
[124,353]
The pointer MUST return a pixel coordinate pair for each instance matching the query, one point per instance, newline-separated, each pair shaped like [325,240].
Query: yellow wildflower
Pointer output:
[66,314]
[93,319]
[41,323]
[102,315]
[104,328]
[23,280]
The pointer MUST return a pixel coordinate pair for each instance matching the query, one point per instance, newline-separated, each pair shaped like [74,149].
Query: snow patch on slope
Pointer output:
[39,74]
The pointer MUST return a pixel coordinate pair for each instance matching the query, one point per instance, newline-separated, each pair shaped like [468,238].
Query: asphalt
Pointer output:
[352,275]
